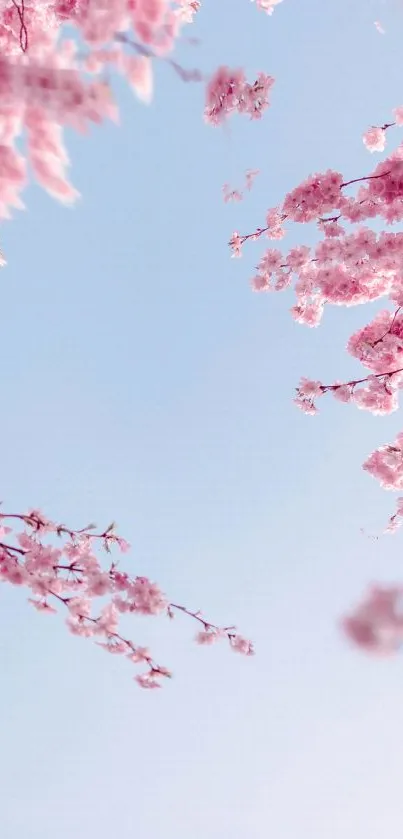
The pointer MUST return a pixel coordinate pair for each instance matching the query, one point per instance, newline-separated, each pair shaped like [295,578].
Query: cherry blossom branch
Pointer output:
[365,178]
[212,632]
[376,397]
[117,644]
[276,218]
[72,575]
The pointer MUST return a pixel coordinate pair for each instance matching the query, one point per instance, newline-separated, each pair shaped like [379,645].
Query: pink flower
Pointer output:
[271,261]
[318,195]
[306,405]
[379,345]
[187,9]
[13,573]
[42,606]
[386,465]
[228,91]
[138,70]
[398,115]
[307,391]
[231,194]
[79,606]
[260,282]
[342,393]
[376,397]
[123,545]
[250,176]
[80,627]
[309,314]
[310,388]
[374,139]
[377,623]
[98,584]
[113,647]
[4,531]
[241,645]
[236,244]
[297,258]
[148,681]
[109,619]
[146,598]
[206,637]
[274,223]
[140,654]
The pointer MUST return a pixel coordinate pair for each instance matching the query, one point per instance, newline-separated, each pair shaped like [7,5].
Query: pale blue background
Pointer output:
[142,380]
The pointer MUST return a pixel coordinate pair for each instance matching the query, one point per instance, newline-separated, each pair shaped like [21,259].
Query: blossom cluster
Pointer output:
[347,267]
[68,573]
[376,393]
[229,92]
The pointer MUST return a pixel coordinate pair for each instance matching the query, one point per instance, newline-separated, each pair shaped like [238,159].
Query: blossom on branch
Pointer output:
[229,92]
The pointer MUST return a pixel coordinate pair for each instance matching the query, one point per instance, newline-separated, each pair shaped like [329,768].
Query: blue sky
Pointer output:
[143,381]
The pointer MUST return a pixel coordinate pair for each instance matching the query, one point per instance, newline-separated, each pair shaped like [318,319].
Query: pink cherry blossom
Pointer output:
[206,638]
[242,645]
[229,92]
[187,9]
[374,139]
[140,654]
[398,115]
[376,625]
[250,176]
[386,464]
[231,194]
[307,391]
[148,681]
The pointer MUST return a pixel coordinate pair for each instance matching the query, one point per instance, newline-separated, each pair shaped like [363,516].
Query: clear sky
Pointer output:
[143,381]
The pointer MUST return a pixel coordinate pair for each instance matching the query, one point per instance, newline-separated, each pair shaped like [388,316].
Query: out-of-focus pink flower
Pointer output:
[376,625]
[241,645]
[228,92]
[398,115]
[206,638]
[374,139]
[147,681]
